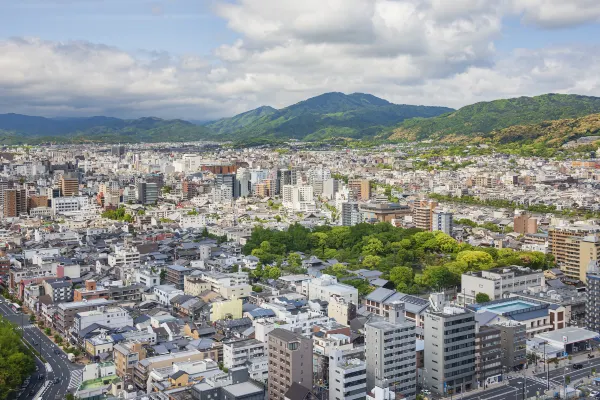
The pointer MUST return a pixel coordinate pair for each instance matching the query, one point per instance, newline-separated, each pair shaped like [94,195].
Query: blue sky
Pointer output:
[207,59]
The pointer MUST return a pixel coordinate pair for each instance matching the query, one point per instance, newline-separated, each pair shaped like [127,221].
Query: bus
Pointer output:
[15,307]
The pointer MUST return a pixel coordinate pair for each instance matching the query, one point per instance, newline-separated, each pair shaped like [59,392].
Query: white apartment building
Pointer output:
[165,293]
[231,286]
[147,277]
[301,322]
[324,287]
[124,256]
[347,377]
[237,352]
[499,283]
[298,198]
[110,317]
[62,205]
[192,221]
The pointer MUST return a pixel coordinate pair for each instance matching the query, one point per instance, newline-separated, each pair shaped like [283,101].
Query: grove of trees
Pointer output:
[16,361]
[414,260]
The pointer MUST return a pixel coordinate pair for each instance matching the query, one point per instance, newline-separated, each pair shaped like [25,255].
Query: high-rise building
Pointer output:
[117,150]
[347,377]
[592,309]
[147,192]
[513,335]
[243,182]
[449,349]
[330,188]
[573,247]
[290,361]
[361,188]
[488,356]
[423,214]
[391,353]
[284,177]
[442,221]
[524,224]
[15,202]
[3,187]
[230,181]
[350,214]
[69,184]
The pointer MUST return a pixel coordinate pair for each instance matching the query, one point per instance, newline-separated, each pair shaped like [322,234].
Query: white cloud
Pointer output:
[435,52]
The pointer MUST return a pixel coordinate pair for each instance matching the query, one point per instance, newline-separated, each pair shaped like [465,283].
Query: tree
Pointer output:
[567,379]
[476,260]
[401,275]
[257,289]
[294,260]
[373,247]
[371,262]
[16,361]
[437,277]
[319,240]
[163,275]
[482,298]
[47,331]
[57,338]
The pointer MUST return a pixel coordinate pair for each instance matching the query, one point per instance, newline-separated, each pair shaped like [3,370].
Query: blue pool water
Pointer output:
[507,307]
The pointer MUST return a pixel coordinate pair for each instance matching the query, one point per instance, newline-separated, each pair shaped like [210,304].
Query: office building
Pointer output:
[525,224]
[498,282]
[325,286]
[176,275]
[442,221]
[350,214]
[284,177]
[360,188]
[423,214]
[290,361]
[69,184]
[488,356]
[117,150]
[573,247]
[109,317]
[391,353]
[147,192]
[228,181]
[449,349]
[330,187]
[513,340]
[347,377]
[15,202]
[65,312]
[592,311]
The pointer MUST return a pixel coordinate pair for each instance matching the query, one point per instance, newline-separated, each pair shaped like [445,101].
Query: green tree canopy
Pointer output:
[482,298]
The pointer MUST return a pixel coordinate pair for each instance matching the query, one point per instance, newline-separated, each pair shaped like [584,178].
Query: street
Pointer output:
[57,365]
[513,390]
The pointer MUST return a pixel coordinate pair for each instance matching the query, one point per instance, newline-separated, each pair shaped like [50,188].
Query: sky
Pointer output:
[207,59]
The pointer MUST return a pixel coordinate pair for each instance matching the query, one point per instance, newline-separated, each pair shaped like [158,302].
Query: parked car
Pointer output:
[577,366]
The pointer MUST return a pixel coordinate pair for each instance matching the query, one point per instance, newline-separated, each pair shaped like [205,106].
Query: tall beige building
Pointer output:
[290,360]
[69,185]
[361,188]
[423,214]
[524,224]
[573,247]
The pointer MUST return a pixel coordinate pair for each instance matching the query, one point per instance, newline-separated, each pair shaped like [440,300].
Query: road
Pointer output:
[57,365]
[516,383]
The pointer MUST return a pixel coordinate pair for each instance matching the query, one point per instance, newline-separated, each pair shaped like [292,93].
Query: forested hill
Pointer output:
[356,115]
[482,118]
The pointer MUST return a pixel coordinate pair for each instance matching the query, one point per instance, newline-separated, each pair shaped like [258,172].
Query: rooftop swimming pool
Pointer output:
[507,307]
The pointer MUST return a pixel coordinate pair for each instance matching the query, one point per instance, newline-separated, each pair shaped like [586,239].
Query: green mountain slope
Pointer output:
[233,124]
[20,129]
[329,115]
[482,118]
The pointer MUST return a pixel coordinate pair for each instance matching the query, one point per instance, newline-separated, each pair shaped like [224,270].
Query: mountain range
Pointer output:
[331,115]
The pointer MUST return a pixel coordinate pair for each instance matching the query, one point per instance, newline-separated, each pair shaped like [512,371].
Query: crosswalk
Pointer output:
[536,379]
[75,380]
[28,326]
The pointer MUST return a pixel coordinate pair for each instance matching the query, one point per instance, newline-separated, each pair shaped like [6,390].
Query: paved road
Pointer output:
[57,365]
[516,383]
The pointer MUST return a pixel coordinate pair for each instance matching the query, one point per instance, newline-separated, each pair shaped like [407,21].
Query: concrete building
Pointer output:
[144,367]
[514,344]
[176,275]
[360,188]
[573,247]
[525,224]
[347,377]
[350,214]
[110,317]
[488,356]
[324,287]
[65,312]
[69,185]
[124,256]
[248,352]
[341,310]
[423,214]
[592,311]
[450,350]
[15,202]
[442,221]
[166,293]
[390,348]
[290,361]
[59,290]
[498,283]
